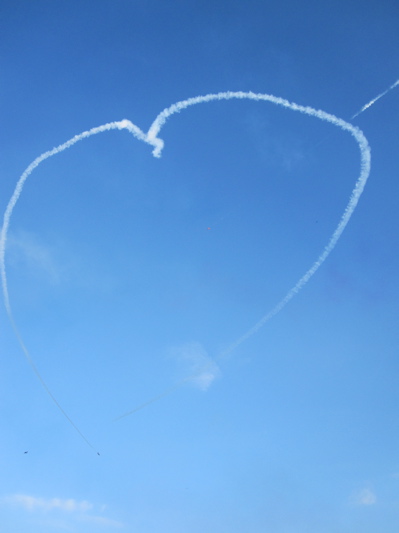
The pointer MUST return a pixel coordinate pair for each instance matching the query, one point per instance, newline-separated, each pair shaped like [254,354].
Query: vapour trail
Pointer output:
[366,106]
[354,198]
[365,160]
[124,124]
[152,138]
[154,399]
[365,155]
[44,384]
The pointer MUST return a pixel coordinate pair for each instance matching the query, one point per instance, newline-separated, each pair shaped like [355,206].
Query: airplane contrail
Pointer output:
[151,138]
[124,124]
[373,101]
[44,384]
[365,160]
[154,399]
[158,144]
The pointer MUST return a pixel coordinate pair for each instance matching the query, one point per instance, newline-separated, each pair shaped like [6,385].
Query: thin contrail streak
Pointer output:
[166,392]
[44,384]
[152,138]
[373,101]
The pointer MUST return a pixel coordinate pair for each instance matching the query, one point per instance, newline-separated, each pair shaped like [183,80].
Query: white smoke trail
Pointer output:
[154,399]
[373,101]
[365,159]
[229,95]
[354,198]
[123,124]
[152,138]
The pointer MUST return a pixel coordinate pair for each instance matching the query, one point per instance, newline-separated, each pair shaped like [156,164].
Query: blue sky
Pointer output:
[130,276]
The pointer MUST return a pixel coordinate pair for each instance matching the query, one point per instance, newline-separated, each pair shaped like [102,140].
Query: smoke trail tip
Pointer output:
[158,145]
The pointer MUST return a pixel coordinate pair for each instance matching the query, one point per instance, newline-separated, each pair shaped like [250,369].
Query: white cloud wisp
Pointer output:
[364,497]
[70,509]
[201,368]
[33,503]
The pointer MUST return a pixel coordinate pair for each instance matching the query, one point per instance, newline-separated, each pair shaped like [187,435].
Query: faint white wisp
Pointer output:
[151,138]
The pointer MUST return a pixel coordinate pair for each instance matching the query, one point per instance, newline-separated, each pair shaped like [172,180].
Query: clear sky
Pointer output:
[131,276]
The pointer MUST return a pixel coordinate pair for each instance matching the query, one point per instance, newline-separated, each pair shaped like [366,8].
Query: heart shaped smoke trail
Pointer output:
[152,139]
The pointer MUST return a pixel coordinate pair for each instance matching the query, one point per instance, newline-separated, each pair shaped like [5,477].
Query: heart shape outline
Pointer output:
[151,138]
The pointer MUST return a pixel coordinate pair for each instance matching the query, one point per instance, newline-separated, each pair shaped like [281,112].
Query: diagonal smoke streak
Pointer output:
[373,101]
[43,383]
[154,399]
